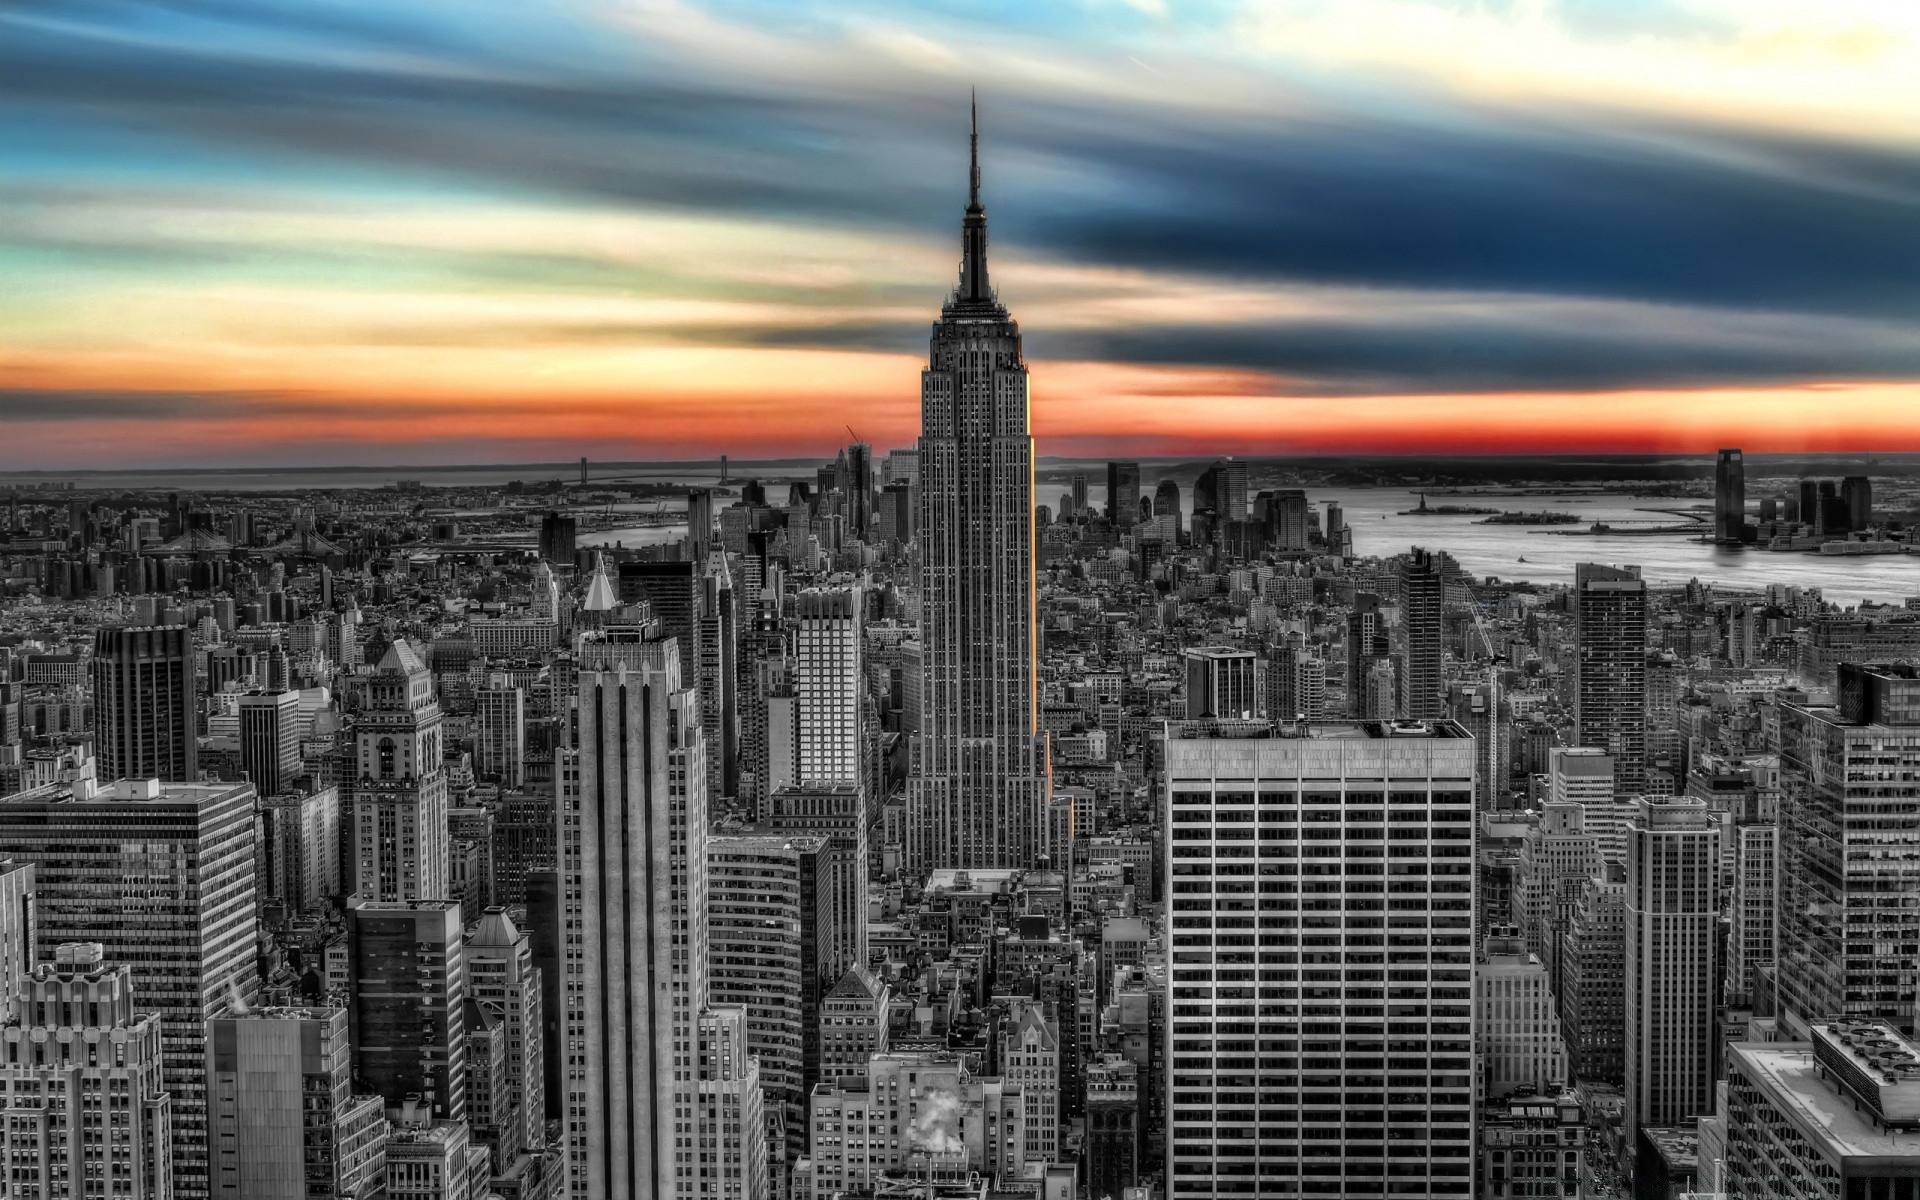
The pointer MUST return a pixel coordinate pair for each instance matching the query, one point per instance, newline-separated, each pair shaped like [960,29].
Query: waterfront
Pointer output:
[1551,552]
[1375,514]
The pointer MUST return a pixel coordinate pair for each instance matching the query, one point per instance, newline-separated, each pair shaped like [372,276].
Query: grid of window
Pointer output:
[1321,984]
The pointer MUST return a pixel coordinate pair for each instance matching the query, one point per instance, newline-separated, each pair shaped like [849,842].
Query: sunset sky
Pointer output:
[246,232]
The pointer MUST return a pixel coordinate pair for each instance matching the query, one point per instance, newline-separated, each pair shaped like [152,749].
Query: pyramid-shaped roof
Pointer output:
[600,597]
[495,930]
[402,657]
[858,983]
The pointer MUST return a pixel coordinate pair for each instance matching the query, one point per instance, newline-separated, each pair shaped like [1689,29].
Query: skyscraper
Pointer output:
[1423,690]
[1283,849]
[1849,851]
[500,732]
[1672,916]
[558,534]
[828,685]
[860,490]
[143,708]
[1166,507]
[1857,491]
[407,961]
[1230,489]
[1289,517]
[174,902]
[699,524]
[716,650]
[1610,668]
[1123,493]
[400,784]
[646,1091]
[1729,498]
[270,740]
[976,793]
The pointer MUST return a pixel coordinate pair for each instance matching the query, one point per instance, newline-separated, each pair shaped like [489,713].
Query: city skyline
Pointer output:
[907,816]
[668,231]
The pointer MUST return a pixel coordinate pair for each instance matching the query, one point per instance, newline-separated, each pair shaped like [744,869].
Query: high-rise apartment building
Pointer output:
[283,1120]
[1322,961]
[1672,917]
[1848,938]
[1610,668]
[399,784]
[1123,493]
[270,740]
[756,927]
[1423,687]
[407,961]
[143,705]
[81,1085]
[829,684]
[976,792]
[1729,498]
[179,911]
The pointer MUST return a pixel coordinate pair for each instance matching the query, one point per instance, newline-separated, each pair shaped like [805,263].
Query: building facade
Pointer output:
[1322,961]
[976,791]
[83,1099]
[162,876]
[1848,941]
[399,785]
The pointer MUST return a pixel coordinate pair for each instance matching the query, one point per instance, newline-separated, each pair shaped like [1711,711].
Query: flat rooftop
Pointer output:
[1314,730]
[1824,1113]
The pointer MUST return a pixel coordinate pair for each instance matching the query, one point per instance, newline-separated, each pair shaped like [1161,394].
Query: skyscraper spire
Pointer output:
[974,292]
[973,154]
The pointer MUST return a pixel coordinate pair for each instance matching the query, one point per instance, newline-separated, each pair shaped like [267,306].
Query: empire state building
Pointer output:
[976,795]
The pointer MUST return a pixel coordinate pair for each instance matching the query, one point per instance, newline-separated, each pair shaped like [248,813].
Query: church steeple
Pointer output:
[974,290]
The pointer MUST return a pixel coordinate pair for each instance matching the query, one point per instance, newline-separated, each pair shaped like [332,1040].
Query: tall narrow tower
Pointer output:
[976,792]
